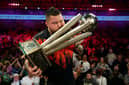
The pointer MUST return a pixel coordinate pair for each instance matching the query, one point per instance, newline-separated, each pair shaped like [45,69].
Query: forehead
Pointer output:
[84,56]
[55,18]
[88,74]
[16,76]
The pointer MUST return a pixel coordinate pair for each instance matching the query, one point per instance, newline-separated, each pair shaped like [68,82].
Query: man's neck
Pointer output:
[30,76]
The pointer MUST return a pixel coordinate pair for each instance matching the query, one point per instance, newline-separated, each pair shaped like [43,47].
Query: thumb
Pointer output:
[27,64]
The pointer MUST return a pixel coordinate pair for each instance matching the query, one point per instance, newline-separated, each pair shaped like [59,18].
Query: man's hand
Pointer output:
[34,71]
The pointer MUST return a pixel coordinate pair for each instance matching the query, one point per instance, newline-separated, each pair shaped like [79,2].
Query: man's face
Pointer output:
[88,76]
[55,22]
[16,78]
[110,50]
[84,57]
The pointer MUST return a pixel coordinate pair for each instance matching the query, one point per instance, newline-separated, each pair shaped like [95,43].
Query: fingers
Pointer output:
[37,73]
[40,73]
[27,64]
[23,56]
[33,70]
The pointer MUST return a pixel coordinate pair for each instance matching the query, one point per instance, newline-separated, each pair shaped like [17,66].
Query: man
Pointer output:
[101,80]
[30,80]
[16,80]
[126,78]
[89,80]
[117,77]
[60,73]
[111,57]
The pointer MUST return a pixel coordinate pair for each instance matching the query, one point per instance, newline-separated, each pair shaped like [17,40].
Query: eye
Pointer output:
[61,21]
[54,23]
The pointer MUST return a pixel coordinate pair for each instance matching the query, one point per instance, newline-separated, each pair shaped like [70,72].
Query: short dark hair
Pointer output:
[99,71]
[52,11]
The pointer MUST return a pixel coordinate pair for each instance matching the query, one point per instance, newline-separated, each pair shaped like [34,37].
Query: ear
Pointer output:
[46,23]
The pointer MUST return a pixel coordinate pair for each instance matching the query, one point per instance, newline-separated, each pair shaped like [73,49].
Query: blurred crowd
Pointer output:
[102,59]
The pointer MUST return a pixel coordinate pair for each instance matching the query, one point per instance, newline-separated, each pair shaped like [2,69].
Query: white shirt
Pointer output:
[75,61]
[29,81]
[101,80]
[111,57]
[15,83]
[85,66]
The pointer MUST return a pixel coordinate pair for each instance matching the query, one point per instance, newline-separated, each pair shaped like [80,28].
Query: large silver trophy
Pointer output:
[37,54]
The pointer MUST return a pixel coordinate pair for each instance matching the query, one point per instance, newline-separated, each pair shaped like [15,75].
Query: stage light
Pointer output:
[75,8]
[26,7]
[38,8]
[112,9]
[13,4]
[96,6]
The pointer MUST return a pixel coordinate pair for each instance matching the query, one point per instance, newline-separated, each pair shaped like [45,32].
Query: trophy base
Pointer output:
[33,52]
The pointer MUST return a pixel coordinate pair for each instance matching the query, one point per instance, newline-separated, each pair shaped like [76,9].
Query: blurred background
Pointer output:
[20,20]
